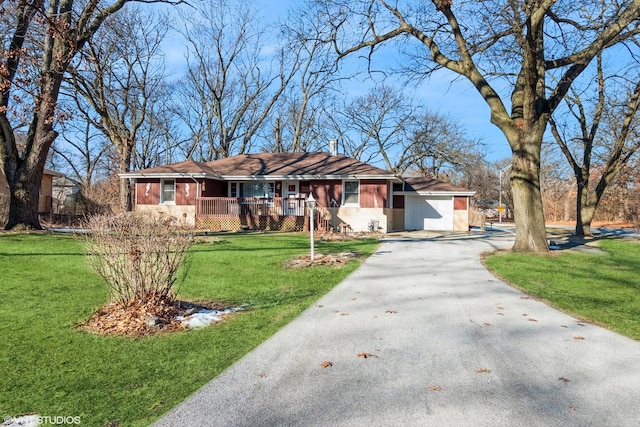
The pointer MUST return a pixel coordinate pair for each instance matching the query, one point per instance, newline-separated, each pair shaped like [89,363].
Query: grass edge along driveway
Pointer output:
[599,288]
[50,368]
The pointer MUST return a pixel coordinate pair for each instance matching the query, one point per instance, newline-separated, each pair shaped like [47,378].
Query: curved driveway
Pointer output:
[446,344]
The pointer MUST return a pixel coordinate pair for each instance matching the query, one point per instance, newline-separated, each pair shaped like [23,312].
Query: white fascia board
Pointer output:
[435,193]
[167,175]
[304,177]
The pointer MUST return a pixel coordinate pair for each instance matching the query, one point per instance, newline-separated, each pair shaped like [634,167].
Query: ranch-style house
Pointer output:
[268,191]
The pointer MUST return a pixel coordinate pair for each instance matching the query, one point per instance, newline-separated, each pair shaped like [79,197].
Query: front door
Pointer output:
[291,194]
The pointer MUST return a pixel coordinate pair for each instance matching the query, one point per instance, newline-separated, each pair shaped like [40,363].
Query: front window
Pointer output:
[257,189]
[351,193]
[168,191]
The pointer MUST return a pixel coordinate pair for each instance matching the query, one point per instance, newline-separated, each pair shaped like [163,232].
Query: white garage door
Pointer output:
[428,213]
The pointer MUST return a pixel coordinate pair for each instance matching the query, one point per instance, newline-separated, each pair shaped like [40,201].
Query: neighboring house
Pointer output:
[67,196]
[268,192]
[45,201]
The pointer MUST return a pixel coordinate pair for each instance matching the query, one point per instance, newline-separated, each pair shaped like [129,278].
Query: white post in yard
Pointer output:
[311,203]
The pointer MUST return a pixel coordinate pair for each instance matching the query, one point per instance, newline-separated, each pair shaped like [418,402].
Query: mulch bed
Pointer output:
[143,318]
[320,259]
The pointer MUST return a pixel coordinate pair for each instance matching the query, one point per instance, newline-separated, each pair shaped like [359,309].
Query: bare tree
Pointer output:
[302,119]
[621,200]
[40,41]
[231,85]
[81,151]
[606,135]
[440,147]
[558,190]
[118,81]
[482,178]
[378,125]
[385,126]
[158,140]
[494,44]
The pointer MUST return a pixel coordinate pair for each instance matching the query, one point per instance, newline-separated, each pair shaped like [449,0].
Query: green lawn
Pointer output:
[49,367]
[601,288]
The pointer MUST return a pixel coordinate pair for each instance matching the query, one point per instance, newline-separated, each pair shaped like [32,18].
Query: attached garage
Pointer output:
[428,213]
[434,205]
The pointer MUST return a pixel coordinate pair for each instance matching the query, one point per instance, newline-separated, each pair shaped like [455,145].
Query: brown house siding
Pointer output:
[325,191]
[150,197]
[373,194]
[181,192]
[398,201]
[460,203]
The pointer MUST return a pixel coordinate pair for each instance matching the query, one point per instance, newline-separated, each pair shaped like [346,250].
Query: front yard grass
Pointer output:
[50,368]
[600,288]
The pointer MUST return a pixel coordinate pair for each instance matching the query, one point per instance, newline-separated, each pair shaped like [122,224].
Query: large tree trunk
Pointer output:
[585,211]
[24,177]
[24,187]
[531,234]
[23,207]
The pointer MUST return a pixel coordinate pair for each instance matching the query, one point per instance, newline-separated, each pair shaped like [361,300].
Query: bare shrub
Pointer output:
[139,256]
[101,198]
[477,217]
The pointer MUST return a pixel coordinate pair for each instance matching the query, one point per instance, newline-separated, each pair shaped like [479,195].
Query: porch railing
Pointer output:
[249,206]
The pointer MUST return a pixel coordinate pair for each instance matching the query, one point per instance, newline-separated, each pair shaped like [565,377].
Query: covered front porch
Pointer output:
[252,213]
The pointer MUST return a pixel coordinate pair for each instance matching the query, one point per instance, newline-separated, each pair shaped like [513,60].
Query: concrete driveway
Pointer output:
[423,335]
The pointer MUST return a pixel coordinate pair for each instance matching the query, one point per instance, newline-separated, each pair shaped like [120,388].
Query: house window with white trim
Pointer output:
[257,189]
[351,193]
[168,191]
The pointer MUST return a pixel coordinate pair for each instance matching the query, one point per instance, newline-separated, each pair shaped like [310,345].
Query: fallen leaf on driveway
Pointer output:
[391,312]
[578,337]
[572,408]
[487,324]
[326,364]
[525,297]
[483,371]
[434,388]
[564,380]
[531,319]
[500,307]
[366,355]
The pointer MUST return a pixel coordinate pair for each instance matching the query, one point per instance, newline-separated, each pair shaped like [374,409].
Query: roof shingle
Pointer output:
[271,164]
[292,164]
[423,184]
